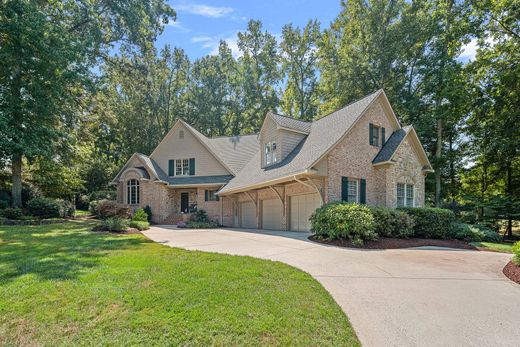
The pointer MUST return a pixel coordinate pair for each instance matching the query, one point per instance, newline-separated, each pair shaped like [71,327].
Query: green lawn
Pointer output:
[503,247]
[81,213]
[65,285]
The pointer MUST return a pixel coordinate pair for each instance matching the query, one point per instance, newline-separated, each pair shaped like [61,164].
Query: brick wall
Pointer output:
[352,157]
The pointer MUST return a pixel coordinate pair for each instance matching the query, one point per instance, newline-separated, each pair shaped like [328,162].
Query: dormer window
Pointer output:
[270,153]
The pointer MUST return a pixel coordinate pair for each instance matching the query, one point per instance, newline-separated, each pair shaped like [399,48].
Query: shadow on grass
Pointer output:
[56,251]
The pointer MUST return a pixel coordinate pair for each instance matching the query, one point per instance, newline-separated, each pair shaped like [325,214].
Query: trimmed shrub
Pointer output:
[44,208]
[201,225]
[116,224]
[389,222]
[139,225]
[66,208]
[12,213]
[516,252]
[3,204]
[201,216]
[140,216]
[430,222]
[110,208]
[474,233]
[148,211]
[343,221]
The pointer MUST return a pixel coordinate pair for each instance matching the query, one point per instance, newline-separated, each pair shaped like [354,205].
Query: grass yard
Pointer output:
[81,213]
[503,247]
[65,285]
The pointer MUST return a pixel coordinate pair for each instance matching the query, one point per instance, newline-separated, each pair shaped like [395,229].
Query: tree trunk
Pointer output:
[510,199]
[438,155]
[16,167]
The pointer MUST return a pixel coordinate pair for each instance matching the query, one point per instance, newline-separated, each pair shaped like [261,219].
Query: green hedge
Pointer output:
[116,224]
[139,225]
[343,221]
[389,222]
[44,208]
[516,251]
[430,222]
[474,233]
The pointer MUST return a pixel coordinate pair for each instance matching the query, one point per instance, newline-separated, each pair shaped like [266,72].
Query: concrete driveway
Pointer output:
[409,297]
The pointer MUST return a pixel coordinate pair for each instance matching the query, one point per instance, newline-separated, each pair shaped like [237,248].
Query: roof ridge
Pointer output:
[282,115]
[349,104]
[228,137]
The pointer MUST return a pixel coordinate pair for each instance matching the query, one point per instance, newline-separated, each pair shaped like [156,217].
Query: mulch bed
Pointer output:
[512,271]
[394,243]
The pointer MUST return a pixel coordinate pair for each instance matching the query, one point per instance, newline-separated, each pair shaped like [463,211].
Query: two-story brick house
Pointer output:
[275,179]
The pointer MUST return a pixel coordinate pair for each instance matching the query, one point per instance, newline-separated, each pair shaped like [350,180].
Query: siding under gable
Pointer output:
[269,133]
[288,141]
[173,147]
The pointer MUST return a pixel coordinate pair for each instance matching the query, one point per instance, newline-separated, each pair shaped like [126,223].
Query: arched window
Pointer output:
[132,192]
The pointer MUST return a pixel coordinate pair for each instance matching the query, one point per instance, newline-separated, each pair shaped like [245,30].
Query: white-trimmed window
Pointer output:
[210,195]
[132,192]
[182,167]
[405,195]
[270,153]
[353,190]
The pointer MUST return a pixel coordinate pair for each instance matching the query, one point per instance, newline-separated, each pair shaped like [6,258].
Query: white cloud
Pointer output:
[177,26]
[205,10]
[201,39]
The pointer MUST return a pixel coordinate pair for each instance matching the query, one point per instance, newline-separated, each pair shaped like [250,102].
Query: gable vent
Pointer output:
[181,134]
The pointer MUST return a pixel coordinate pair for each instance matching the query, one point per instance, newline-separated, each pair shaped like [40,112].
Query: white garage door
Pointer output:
[247,215]
[272,214]
[302,206]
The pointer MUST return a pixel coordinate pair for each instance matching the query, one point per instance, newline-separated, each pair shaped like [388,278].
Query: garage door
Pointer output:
[247,215]
[272,214]
[302,206]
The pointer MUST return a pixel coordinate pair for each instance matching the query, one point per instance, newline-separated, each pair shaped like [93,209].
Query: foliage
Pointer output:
[148,211]
[139,225]
[473,233]
[516,251]
[201,216]
[3,204]
[109,208]
[12,213]
[389,222]
[140,215]
[343,221]
[44,207]
[431,223]
[201,225]
[116,224]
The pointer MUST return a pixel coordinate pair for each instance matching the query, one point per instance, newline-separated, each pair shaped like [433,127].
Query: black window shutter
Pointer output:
[171,167]
[383,140]
[363,191]
[192,166]
[371,134]
[206,193]
[344,188]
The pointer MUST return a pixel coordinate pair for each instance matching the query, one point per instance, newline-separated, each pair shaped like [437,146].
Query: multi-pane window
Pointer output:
[182,167]
[353,190]
[376,135]
[405,195]
[270,153]
[132,192]
[211,195]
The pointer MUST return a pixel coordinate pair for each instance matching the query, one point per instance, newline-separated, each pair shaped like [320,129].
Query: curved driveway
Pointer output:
[408,297]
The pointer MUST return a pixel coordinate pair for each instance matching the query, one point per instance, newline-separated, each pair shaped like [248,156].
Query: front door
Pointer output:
[185,200]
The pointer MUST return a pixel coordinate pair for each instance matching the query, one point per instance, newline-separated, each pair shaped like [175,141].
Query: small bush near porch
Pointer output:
[65,285]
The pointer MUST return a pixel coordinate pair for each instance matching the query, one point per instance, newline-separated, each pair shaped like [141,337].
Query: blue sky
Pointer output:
[201,24]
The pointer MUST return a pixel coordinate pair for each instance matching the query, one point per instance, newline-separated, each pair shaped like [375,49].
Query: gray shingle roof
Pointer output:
[391,145]
[324,134]
[233,151]
[236,151]
[291,123]
[190,180]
